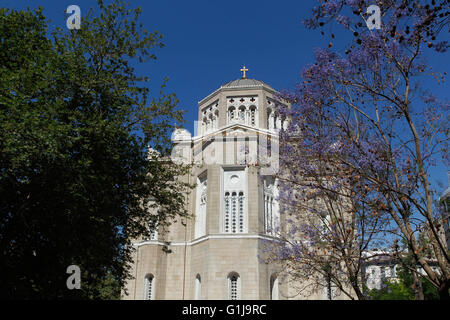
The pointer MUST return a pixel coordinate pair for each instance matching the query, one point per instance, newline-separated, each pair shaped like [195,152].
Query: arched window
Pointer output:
[269,119]
[394,271]
[283,123]
[227,212]
[271,210]
[241,212]
[211,121]
[204,125]
[149,287]
[274,287]
[242,114]
[253,116]
[268,207]
[234,286]
[234,214]
[216,119]
[154,233]
[198,287]
[234,210]
[231,111]
[200,216]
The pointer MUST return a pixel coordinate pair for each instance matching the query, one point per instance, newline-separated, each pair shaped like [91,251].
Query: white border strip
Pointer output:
[204,238]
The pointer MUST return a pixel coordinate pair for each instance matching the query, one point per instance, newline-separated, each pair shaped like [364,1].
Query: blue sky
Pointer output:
[208,42]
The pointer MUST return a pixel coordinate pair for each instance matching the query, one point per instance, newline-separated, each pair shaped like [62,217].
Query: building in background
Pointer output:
[444,199]
[216,254]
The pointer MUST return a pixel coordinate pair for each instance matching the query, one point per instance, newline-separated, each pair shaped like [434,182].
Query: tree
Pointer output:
[77,182]
[366,113]
[392,291]
[330,219]
[403,287]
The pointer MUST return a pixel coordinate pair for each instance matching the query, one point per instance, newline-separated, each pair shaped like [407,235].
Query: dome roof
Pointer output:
[245,83]
[238,84]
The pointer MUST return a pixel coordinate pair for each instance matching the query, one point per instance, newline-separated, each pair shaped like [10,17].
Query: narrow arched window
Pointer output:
[230,114]
[154,233]
[216,119]
[202,200]
[241,212]
[252,116]
[234,204]
[234,286]
[234,214]
[211,122]
[274,287]
[198,287]
[227,212]
[242,114]
[271,209]
[205,125]
[149,287]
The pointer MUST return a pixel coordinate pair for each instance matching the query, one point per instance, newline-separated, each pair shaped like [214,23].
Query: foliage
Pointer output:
[402,288]
[365,132]
[392,291]
[77,182]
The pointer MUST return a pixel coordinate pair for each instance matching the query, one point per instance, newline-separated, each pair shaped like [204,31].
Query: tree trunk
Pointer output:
[443,291]
[417,286]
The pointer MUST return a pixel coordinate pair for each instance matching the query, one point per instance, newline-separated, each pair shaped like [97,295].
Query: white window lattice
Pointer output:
[269,222]
[230,114]
[241,212]
[234,210]
[227,212]
[148,295]
[242,110]
[154,234]
[242,115]
[233,287]
[271,210]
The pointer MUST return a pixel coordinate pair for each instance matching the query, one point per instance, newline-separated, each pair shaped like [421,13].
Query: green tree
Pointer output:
[403,288]
[76,179]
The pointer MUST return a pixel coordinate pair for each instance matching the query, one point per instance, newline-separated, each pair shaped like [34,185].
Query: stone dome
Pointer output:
[246,83]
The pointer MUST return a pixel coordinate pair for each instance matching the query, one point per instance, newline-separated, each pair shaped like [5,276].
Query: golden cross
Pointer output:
[244,69]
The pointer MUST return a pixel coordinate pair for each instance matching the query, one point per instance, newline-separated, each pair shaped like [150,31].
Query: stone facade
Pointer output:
[215,254]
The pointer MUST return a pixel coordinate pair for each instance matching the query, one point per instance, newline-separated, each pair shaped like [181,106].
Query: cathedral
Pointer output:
[217,253]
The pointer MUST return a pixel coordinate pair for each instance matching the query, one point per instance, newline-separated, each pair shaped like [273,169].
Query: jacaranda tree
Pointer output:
[364,132]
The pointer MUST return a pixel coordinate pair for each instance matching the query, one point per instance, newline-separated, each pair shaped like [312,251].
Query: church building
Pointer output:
[217,253]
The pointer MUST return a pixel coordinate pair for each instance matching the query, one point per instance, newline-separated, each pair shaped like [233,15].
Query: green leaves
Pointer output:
[75,125]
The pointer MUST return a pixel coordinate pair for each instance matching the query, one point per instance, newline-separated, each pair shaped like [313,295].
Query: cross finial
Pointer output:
[244,69]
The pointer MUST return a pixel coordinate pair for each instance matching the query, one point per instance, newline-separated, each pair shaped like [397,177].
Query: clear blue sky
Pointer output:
[207,42]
